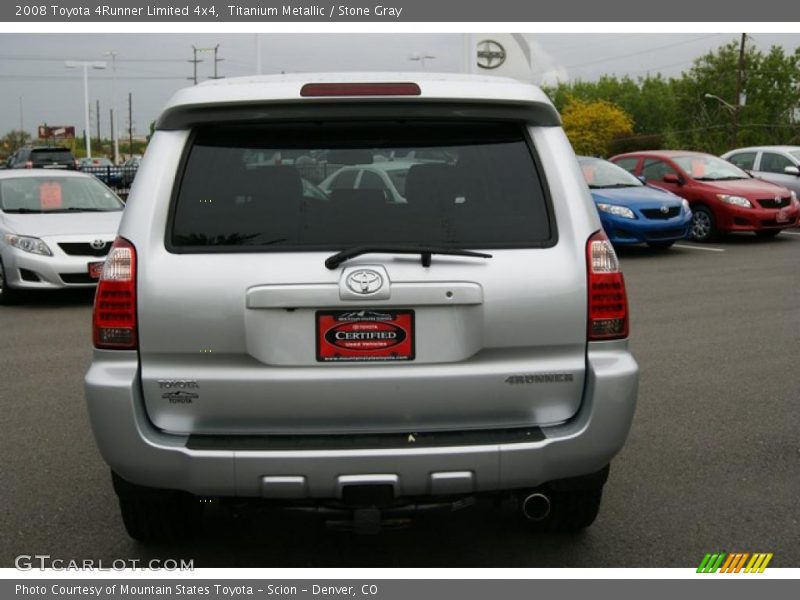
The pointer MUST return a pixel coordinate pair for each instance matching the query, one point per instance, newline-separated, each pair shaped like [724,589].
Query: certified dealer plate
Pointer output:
[365,335]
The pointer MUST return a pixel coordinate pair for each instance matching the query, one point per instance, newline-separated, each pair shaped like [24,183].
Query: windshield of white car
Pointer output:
[26,195]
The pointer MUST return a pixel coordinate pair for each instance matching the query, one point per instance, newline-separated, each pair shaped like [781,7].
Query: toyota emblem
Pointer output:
[490,54]
[364,281]
[98,244]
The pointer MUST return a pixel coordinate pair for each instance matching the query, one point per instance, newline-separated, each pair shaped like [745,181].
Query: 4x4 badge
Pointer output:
[364,281]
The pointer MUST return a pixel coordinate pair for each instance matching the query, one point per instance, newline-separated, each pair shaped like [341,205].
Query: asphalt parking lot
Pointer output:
[712,462]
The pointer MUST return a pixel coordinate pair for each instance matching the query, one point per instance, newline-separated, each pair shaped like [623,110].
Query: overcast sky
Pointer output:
[153,66]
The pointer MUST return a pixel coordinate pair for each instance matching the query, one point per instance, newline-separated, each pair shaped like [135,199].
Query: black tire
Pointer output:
[704,227]
[660,245]
[154,515]
[768,233]
[8,295]
[570,511]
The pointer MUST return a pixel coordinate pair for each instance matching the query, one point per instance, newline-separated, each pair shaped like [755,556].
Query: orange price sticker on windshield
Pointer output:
[50,195]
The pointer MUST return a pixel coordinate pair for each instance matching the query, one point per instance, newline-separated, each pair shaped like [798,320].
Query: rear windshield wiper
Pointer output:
[23,211]
[425,253]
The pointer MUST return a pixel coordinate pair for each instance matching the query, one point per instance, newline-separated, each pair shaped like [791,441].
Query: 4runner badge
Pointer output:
[541,378]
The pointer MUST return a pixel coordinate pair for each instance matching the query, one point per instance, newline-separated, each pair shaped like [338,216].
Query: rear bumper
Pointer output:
[141,454]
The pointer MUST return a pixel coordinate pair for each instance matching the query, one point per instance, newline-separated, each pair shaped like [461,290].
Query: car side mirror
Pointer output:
[792,170]
[673,178]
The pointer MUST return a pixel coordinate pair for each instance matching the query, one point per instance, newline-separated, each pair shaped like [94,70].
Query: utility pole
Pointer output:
[114,133]
[216,60]
[130,124]
[194,62]
[97,111]
[738,99]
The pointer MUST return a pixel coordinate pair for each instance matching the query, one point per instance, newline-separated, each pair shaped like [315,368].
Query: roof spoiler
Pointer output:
[187,116]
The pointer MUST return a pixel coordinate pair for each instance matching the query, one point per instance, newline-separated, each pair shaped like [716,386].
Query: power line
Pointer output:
[94,78]
[63,58]
[653,49]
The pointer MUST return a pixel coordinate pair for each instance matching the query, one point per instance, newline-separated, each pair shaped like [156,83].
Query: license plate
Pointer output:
[782,216]
[96,269]
[365,335]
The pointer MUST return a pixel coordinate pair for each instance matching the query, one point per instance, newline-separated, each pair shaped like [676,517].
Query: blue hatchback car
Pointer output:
[632,212]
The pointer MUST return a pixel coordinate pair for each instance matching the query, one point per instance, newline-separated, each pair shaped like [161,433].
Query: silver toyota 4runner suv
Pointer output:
[360,293]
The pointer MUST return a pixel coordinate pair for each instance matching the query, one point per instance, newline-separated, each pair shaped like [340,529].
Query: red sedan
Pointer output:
[723,198]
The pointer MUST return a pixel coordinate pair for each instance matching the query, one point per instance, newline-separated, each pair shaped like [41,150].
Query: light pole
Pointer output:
[734,110]
[114,137]
[74,64]
[421,58]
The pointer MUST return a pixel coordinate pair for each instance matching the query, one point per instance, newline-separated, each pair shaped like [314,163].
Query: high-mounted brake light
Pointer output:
[607,302]
[114,318]
[359,89]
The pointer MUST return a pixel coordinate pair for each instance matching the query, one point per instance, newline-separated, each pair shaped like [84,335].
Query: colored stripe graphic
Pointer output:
[727,565]
[741,562]
[703,563]
[734,562]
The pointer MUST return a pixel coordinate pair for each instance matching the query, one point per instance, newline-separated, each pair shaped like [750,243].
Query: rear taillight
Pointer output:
[360,89]
[28,164]
[114,319]
[608,304]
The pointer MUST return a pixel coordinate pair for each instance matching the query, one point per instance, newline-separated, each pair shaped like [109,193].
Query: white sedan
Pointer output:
[56,228]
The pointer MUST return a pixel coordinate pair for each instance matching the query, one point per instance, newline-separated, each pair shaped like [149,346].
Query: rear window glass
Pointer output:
[296,186]
[51,155]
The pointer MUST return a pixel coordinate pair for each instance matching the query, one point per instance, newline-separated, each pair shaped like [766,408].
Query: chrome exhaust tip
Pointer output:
[536,507]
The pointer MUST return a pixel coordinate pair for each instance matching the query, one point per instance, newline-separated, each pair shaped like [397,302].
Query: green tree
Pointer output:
[676,113]
[770,84]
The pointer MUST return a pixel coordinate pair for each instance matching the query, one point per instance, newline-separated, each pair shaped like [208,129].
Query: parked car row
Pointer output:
[723,197]
[747,190]
[55,157]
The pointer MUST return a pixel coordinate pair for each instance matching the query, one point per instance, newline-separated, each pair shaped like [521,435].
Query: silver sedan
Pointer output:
[55,230]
